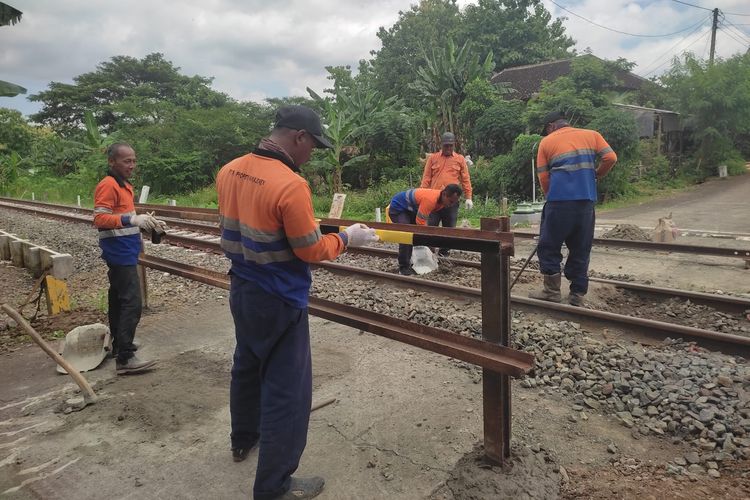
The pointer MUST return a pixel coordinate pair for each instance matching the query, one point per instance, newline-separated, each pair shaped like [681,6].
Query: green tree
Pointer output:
[15,132]
[425,25]
[498,127]
[516,32]
[123,90]
[716,100]
[441,84]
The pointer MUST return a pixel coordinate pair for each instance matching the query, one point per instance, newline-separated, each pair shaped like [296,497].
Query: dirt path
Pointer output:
[716,205]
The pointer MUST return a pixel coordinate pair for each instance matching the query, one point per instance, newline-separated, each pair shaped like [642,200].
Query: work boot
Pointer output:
[551,291]
[576,299]
[134,365]
[301,488]
[406,271]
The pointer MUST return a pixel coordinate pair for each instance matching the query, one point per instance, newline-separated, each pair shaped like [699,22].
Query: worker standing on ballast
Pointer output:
[568,172]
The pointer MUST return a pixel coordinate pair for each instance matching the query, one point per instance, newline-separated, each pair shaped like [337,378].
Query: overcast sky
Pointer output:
[257,49]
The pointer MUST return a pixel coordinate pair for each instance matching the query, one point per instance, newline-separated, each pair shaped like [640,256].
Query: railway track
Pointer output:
[203,236]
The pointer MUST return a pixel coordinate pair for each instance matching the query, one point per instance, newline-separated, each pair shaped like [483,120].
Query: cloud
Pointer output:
[257,49]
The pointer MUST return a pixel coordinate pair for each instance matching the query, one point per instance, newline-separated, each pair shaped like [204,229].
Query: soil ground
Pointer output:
[406,423]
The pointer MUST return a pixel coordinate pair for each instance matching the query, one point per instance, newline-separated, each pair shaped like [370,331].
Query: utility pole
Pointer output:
[714,26]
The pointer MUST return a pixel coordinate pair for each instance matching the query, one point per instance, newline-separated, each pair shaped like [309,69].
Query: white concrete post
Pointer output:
[144,194]
[377,215]
[172,203]
[79,201]
[33,198]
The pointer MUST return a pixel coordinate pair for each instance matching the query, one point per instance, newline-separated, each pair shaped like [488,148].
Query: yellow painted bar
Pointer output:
[392,236]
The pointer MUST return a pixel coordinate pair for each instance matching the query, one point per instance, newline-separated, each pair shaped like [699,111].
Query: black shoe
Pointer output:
[240,454]
[303,488]
[407,271]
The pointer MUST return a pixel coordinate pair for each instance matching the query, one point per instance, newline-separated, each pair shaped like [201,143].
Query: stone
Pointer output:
[713,473]
[724,381]
[706,415]
[692,458]
[607,389]
[680,461]
[612,449]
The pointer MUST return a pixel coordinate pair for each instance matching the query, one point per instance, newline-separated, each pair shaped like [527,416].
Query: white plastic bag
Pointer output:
[423,260]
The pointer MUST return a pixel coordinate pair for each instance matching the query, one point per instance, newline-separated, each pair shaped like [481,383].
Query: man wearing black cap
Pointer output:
[441,169]
[269,233]
[568,172]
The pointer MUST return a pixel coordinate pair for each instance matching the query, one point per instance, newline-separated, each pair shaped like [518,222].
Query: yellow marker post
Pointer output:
[56,292]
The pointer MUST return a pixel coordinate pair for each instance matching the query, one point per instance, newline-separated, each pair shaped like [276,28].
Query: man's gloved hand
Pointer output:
[360,235]
[144,221]
[469,204]
[159,225]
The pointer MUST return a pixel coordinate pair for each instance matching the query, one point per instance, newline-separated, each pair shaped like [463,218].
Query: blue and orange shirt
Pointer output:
[113,207]
[420,201]
[566,163]
[268,227]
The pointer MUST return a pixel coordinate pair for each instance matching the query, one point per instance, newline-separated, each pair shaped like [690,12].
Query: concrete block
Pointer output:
[32,259]
[16,253]
[62,265]
[4,247]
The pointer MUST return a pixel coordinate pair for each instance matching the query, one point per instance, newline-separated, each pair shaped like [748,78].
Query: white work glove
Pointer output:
[144,221]
[469,204]
[159,225]
[360,235]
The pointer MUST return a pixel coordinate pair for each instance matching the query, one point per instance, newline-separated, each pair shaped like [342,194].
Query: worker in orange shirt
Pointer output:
[568,172]
[120,241]
[416,206]
[269,233]
[442,168]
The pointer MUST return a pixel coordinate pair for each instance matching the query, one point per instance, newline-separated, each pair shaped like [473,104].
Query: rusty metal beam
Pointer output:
[492,357]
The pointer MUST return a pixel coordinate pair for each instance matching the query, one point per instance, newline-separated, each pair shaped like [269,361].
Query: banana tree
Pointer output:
[441,83]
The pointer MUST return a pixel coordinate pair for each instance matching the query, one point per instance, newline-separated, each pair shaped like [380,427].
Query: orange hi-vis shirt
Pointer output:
[421,202]
[113,207]
[440,170]
[566,163]
[268,227]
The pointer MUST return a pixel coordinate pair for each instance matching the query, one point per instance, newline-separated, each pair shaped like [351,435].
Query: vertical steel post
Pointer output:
[496,328]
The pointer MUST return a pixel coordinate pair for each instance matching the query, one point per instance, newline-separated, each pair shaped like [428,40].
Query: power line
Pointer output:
[729,34]
[705,8]
[707,32]
[737,30]
[623,32]
[691,5]
[670,49]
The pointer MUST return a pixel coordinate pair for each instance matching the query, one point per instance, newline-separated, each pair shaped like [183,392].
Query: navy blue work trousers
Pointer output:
[404,251]
[271,389]
[125,307]
[448,217]
[572,223]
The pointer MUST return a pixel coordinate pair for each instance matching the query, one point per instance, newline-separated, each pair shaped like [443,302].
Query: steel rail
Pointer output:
[724,342]
[717,340]
[491,356]
[211,215]
[741,253]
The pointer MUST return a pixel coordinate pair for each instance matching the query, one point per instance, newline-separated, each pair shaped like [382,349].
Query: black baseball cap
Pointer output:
[551,118]
[303,118]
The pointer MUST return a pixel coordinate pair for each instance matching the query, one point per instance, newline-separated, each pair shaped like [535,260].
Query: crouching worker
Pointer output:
[414,207]
[269,233]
